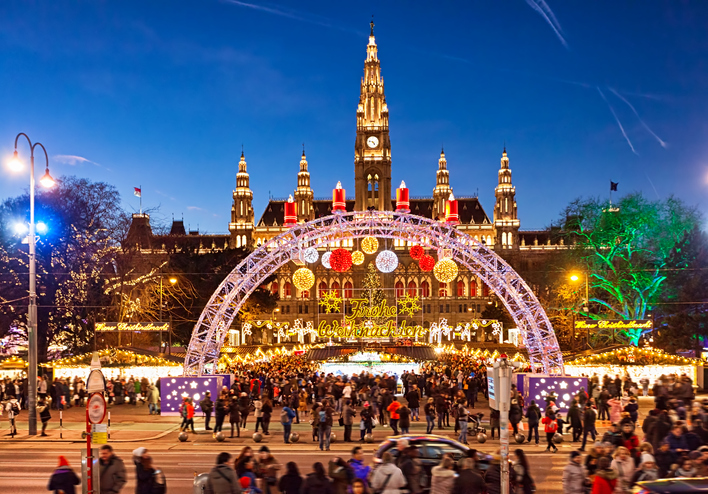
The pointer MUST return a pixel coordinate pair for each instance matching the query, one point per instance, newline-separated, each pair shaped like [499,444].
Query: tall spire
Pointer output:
[442,189]
[303,192]
[241,226]
[372,24]
[506,220]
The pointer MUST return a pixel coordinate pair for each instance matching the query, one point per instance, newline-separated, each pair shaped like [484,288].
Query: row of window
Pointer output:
[463,289]
[461,308]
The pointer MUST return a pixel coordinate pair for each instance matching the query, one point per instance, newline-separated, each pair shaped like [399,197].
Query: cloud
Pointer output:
[295,15]
[617,120]
[661,142]
[73,160]
[545,11]
[160,193]
[195,208]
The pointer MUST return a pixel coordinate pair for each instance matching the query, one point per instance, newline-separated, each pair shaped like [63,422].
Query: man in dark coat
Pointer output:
[113,476]
[468,481]
[207,407]
[533,415]
[413,399]
[588,425]
[575,419]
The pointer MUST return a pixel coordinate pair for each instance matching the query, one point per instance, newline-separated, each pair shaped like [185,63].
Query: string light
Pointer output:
[417,252]
[325,259]
[426,263]
[357,258]
[304,278]
[445,270]
[369,245]
[386,261]
[340,260]
[310,255]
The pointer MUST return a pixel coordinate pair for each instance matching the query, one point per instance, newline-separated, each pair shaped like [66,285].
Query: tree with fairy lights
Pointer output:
[627,249]
[372,290]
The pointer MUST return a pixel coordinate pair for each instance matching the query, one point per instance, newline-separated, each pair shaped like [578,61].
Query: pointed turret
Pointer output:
[442,189]
[241,226]
[304,194]
[506,221]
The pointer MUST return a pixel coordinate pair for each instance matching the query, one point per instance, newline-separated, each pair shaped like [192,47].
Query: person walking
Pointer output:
[576,420]
[222,478]
[267,411]
[443,477]
[367,421]
[63,480]
[533,416]
[291,482]
[394,417]
[605,479]
[144,472]
[623,464]
[267,468]
[521,474]
[589,417]
[387,478]
[153,399]
[244,407]
[113,476]
[235,416]
[413,399]
[348,414]
[220,408]
[324,418]
[207,407]
[44,414]
[356,463]
[317,481]
[404,419]
[287,415]
[429,410]
[258,411]
[468,481]
[463,417]
[574,474]
[341,475]
[550,428]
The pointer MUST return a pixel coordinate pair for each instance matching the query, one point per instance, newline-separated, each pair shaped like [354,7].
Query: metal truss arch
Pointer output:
[213,324]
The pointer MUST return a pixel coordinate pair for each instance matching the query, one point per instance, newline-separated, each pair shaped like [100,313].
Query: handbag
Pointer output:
[341,421]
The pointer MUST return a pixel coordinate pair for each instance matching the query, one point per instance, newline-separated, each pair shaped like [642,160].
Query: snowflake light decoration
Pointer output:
[310,255]
[330,301]
[369,245]
[386,261]
[325,259]
[357,258]
[408,305]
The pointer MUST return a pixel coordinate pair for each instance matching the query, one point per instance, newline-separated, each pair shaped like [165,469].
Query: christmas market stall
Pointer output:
[119,363]
[13,367]
[637,363]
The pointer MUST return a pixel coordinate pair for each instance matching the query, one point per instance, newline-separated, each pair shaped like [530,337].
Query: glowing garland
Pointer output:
[340,260]
[426,263]
[325,259]
[310,255]
[636,356]
[386,261]
[303,278]
[445,271]
[417,252]
[369,245]
[357,258]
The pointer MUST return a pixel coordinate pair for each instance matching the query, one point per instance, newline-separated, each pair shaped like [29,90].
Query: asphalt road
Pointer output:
[26,467]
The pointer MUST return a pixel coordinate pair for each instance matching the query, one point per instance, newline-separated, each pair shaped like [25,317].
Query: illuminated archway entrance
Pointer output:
[216,318]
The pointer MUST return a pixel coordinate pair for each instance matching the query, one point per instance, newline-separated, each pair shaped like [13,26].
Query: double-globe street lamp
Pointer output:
[46,181]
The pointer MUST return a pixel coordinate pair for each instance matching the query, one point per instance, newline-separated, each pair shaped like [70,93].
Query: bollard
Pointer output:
[61,424]
[109,425]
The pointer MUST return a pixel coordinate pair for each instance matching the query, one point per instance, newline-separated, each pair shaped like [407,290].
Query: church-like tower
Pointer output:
[506,221]
[372,149]
[241,226]
[303,193]
[442,189]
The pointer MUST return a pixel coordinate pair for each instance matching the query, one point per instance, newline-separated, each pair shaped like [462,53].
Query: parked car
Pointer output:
[673,486]
[431,449]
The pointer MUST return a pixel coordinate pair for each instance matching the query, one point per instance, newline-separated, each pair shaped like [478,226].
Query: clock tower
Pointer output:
[372,149]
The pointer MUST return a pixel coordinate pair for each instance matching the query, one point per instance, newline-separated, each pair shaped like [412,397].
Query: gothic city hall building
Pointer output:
[457,302]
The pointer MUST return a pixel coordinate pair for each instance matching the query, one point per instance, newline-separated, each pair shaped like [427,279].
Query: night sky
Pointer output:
[163,94]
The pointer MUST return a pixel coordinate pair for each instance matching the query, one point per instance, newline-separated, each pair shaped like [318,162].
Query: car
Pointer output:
[678,485]
[431,449]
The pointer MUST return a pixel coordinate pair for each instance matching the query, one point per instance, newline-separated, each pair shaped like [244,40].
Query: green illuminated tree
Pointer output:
[372,290]
[626,248]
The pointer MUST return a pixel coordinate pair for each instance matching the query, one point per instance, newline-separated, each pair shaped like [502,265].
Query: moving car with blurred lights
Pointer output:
[673,486]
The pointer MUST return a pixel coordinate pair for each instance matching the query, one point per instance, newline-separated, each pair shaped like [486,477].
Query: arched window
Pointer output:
[442,292]
[238,241]
[274,288]
[287,289]
[460,288]
[306,294]
[322,288]
[348,290]
[425,289]
[473,288]
[335,289]
[399,288]
[485,290]
[412,289]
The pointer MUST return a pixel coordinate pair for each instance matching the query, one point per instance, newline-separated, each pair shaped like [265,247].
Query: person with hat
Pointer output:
[574,474]
[647,470]
[63,479]
[367,421]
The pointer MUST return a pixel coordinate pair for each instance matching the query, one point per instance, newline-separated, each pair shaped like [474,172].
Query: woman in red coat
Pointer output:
[605,478]
[550,427]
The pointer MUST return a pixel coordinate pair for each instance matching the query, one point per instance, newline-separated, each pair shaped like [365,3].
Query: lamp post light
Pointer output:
[46,181]
[575,277]
[172,281]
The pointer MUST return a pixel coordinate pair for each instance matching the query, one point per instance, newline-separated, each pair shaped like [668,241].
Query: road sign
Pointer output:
[99,434]
[96,408]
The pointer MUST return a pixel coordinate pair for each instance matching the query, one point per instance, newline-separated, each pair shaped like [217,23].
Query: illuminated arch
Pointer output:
[523,306]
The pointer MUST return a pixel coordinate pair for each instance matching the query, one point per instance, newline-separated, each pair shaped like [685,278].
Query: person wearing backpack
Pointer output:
[324,419]
[287,415]
[207,407]
[533,415]
[148,479]
[222,478]
[44,414]
[387,478]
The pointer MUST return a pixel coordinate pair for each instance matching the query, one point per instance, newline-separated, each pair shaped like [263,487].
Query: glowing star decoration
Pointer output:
[426,263]
[386,261]
[325,259]
[303,279]
[330,301]
[408,305]
[445,271]
[417,252]
[357,258]
[564,385]
[369,245]
[310,255]
[340,260]
[193,385]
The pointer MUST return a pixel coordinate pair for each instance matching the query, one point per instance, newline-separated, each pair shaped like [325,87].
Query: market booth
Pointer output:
[119,363]
[13,367]
[637,363]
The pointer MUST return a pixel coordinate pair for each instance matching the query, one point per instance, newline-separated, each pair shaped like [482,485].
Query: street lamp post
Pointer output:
[46,181]
[586,308]
[172,281]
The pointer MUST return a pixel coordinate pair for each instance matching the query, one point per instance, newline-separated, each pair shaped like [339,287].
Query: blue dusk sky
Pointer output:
[162,94]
